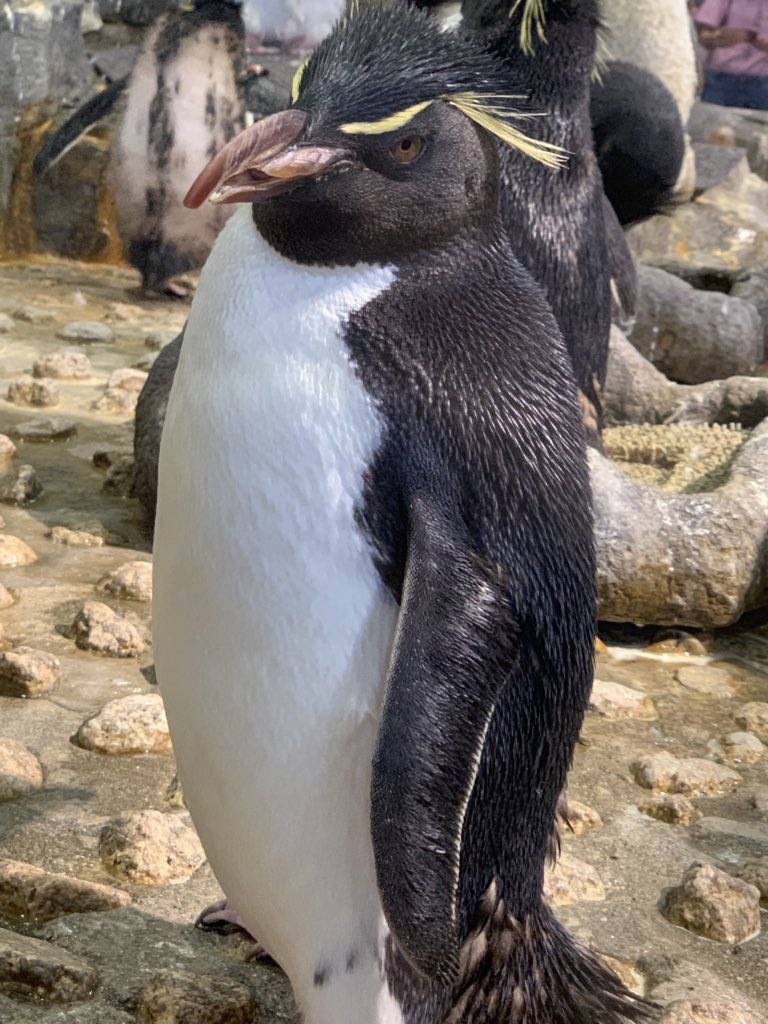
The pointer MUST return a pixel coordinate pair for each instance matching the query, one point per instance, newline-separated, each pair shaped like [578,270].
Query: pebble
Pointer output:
[47,428]
[150,848]
[28,391]
[705,679]
[174,794]
[751,832]
[614,700]
[157,340]
[754,718]
[759,800]
[714,904]
[66,364]
[6,323]
[756,873]
[693,775]
[122,392]
[97,628]
[6,598]
[687,1011]
[20,770]
[128,725]
[741,748]
[7,449]
[582,818]
[33,969]
[119,476]
[132,581]
[14,552]
[678,643]
[25,672]
[33,315]
[75,538]
[179,997]
[30,892]
[86,331]
[22,488]
[571,881]
[673,808]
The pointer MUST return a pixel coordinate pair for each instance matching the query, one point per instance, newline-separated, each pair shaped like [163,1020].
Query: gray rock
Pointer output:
[691,335]
[156,341]
[727,126]
[127,725]
[86,331]
[15,552]
[672,808]
[176,997]
[150,848]
[714,163]
[99,629]
[133,12]
[706,679]
[20,770]
[22,487]
[150,416]
[33,315]
[174,794]
[741,748]
[714,904]
[759,800]
[48,428]
[755,872]
[701,1011]
[131,581]
[25,672]
[692,776]
[119,476]
[754,833]
[66,364]
[28,892]
[572,880]
[75,538]
[28,391]
[683,559]
[30,968]
[754,718]
[752,285]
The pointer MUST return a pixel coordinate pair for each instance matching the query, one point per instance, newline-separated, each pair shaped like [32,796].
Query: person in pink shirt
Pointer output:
[735,34]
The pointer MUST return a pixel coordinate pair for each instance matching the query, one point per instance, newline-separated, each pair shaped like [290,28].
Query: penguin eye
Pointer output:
[407,149]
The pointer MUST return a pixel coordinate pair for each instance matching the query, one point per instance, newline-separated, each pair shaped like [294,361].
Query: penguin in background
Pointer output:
[376,681]
[558,219]
[181,103]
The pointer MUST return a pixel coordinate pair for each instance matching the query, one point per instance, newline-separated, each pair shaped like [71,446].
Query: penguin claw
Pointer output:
[222,918]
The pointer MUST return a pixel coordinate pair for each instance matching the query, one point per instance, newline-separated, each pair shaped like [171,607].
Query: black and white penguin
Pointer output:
[556,219]
[181,103]
[374,598]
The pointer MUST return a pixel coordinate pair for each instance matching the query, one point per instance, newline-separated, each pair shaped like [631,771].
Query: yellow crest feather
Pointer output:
[496,120]
[296,83]
[385,124]
[603,56]
[533,18]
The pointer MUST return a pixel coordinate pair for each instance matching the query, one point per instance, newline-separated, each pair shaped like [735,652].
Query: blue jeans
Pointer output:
[729,90]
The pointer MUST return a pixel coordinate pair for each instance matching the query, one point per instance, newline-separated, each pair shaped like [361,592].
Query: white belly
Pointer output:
[272,628]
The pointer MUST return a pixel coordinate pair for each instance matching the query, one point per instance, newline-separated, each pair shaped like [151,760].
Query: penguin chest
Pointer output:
[272,628]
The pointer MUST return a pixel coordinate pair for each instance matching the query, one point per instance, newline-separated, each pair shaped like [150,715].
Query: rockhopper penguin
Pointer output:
[556,220]
[374,580]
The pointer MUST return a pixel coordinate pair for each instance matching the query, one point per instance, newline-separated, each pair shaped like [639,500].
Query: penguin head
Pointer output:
[388,147]
[526,19]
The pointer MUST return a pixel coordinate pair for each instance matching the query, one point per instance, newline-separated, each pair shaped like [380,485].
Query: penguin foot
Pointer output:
[222,918]
[176,291]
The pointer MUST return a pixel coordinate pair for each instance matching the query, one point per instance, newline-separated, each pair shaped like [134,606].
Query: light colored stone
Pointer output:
[613,700]
[694,1011]
[25,672]
[75,538]
[582,818]
[741,748]
[22,488]
[728,829]
[7,449]
[6,323]
[66,364]
[14,552]
[150,848]
[128,725]
[131,581]
[624,972]
[6,598]
[20,770]
[759,800]
[693,775]
[33,969]
[122,391]
[97,628]
[176,997]
[673,808]
[47,428]
[27,390]
[33,315]
[706,679]
[753,717]
[30,892]
[86,331]
[714,904]
[572,881]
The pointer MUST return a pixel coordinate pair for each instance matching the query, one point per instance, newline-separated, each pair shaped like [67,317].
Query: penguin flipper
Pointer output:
[455,621]
[85,117]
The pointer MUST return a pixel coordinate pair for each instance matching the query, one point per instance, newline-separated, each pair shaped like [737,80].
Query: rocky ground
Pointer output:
[101,874]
